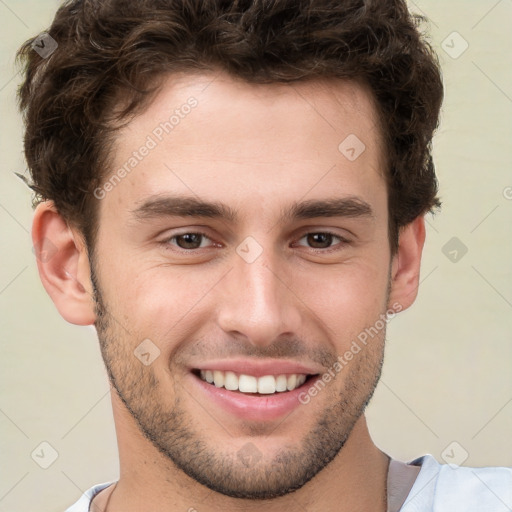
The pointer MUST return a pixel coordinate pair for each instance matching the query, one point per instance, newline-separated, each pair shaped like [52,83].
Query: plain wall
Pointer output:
[447,375]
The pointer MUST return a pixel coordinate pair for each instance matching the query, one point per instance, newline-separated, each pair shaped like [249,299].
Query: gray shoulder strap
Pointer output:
[401,477]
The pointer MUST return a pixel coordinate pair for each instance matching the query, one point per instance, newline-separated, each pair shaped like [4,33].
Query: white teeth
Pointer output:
[230,381]
[247,384]
[266,385]
[218,378]
[291,382]
[281,383]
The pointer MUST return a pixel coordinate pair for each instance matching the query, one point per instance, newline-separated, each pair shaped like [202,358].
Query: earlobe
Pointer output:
[405,268]
[63,265]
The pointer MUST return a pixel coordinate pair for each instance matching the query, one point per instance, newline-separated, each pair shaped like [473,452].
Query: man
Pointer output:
[234,194]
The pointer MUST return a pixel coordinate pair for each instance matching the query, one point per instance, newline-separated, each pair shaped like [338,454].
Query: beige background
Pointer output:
[447,374]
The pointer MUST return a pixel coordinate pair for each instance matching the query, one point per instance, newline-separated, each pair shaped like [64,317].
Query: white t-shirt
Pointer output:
[437,488]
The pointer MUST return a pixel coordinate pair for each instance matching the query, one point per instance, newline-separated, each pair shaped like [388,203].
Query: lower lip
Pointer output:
[254,408]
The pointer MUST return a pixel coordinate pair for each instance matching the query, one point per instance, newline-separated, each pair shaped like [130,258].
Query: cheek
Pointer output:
[152,295]
[346,299]
[158,300]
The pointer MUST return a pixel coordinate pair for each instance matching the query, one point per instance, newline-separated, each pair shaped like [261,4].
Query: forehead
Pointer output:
[321,104]
[210,134]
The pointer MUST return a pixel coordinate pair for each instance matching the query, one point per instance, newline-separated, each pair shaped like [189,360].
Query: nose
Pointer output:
[257,301]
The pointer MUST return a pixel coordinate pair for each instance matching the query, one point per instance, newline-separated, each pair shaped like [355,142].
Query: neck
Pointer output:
[355,480]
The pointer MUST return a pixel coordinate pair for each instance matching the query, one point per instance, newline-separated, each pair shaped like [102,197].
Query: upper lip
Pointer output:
[258,368]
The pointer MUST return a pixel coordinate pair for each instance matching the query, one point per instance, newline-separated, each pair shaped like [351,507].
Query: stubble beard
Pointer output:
[178,437]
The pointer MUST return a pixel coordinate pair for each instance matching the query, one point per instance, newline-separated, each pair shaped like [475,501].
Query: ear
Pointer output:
[63,265]
[405,265]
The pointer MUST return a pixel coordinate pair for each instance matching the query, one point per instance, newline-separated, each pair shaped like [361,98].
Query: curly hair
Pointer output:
[113,50]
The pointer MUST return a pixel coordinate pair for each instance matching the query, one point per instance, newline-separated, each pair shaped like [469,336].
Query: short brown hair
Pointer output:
[109,48]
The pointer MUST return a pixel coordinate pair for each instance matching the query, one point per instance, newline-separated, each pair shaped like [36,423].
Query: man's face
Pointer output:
[264,293]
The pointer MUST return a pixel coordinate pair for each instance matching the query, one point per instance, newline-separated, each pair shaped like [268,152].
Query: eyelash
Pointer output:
[343,241]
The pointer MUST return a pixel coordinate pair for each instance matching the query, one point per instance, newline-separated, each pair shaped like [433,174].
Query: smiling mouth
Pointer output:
[252,385]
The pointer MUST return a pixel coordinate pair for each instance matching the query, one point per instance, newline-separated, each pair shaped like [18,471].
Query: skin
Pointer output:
[256,148]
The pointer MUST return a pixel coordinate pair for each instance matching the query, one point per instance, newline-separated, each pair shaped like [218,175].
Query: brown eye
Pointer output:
[319,240]
[186,241]
[323,240]
[189,240]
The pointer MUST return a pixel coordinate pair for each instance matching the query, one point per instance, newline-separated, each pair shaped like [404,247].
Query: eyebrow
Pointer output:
[189,206]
